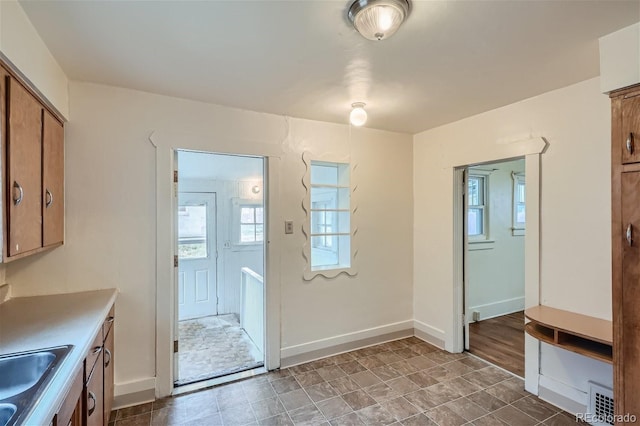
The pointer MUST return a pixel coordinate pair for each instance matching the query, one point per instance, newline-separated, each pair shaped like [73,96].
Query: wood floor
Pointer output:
[500,341]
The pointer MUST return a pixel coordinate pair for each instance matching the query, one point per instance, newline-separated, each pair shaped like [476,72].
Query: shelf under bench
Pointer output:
[582,334]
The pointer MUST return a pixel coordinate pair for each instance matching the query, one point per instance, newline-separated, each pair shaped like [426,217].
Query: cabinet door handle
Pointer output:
[107,357]
[110,319]
[630,143]
[18,200]
[630,235]
[97,350]
[49,198]
[92,397]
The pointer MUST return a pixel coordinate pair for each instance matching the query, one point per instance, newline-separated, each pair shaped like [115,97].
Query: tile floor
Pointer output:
[214,346]
[404,382]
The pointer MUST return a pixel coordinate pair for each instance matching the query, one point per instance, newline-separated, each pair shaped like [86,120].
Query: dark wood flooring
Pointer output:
[500,341]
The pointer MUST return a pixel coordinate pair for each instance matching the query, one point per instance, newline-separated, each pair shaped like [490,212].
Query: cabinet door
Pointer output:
[93,403]
[52,181]
[108,374]
[630,130]
[24,167]
[630,183]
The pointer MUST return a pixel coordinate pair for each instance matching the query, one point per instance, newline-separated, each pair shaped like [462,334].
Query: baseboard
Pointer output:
[134,393]
[563,396]
[497,309]
[429,334]
[298,354]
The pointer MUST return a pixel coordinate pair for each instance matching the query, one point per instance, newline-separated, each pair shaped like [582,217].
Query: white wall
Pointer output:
[620,58]
[111,212]
[22,45]
[495,270]
[575,270]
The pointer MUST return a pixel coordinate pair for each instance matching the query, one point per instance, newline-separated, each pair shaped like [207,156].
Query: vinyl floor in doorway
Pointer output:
[405,382]
[214,346]
[500,341]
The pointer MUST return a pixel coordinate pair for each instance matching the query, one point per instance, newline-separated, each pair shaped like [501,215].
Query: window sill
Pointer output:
[481,245]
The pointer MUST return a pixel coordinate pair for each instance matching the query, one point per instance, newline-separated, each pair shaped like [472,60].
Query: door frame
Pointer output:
[165,151]
[531,150]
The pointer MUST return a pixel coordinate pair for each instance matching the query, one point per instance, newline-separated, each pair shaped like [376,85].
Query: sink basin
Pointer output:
[23,378]
[6,412]
[19,373]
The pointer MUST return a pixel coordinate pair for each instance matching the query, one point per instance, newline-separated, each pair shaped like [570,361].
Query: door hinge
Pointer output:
[175,176]
[175,261]
[175,346]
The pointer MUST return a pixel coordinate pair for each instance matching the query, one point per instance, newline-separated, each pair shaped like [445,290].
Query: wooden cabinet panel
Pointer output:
[94,408]
[108,374]
[630,132]
[630,333]
[52,181]
[24,168]
[69,411]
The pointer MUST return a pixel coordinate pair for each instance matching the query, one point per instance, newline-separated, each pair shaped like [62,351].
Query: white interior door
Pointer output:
[197,254]
[465,254]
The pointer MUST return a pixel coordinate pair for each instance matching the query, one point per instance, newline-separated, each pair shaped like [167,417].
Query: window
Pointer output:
[251,224]
[477,209]
[519,210]
[192,232]
[330,220]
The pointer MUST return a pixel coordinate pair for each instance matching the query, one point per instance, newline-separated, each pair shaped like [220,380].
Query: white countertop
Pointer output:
[28,323]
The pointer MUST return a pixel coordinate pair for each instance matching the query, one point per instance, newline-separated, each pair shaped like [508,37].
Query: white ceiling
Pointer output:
[450,60]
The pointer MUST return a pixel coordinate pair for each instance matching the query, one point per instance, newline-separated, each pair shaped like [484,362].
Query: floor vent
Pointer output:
[600,405]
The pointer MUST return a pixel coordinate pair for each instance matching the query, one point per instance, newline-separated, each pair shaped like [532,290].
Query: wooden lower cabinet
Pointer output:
[94,395]
[108,374]
[70,414]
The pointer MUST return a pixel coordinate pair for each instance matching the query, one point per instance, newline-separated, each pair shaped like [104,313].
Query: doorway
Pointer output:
[494,258]
[220,315]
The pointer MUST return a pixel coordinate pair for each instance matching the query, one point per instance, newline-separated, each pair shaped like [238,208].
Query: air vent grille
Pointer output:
[601,405]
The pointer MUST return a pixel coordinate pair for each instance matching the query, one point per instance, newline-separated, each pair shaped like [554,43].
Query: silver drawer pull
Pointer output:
[107,357]
[630,143]
[49,198]
[110,319]
[92,397]
[630,235]
[17,200]
[96,350]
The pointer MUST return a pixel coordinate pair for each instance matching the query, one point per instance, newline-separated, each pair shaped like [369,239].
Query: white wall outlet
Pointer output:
[288,227]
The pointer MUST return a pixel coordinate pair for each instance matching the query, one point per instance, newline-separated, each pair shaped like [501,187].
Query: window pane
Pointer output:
[476,191]
[330,222]
[247,233]
[475,221]
[520,213]
[259,232]
[259,215]
[192,232]
[324,198]
[247,215]
[324,174]
[520,192]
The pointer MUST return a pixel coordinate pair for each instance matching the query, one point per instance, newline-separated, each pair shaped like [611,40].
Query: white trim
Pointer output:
[291,351]
[165,231]
[561,395]
[134,392]
[430,334]
[499,308]
[531,149]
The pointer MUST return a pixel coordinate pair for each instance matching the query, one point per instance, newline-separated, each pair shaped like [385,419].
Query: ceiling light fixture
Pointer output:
[358,115]
[378,19]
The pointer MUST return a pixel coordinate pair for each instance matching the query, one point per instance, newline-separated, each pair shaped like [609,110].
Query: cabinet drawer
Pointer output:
[92,356]
[108,322]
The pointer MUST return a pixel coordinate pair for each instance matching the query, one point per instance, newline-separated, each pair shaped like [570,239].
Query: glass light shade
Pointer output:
[378,19]
[358,115]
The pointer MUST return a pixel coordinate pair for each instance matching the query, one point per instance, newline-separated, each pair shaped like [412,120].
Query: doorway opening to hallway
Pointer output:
[220,246]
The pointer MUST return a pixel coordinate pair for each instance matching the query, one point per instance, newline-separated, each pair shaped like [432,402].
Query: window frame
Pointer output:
[518,228]
[484,207]
[331,271]
[236,210]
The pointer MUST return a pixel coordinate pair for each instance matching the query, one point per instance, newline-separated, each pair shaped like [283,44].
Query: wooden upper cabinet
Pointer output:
[630,134]
[24,170]
[52,181]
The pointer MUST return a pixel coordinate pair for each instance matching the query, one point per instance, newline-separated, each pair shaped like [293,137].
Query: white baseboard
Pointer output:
[561,395]
[134,392]
[429,334]
[496,309]
[310,351]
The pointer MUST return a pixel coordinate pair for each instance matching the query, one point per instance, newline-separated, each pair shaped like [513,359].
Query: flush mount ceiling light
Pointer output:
[358,115]
[378,19]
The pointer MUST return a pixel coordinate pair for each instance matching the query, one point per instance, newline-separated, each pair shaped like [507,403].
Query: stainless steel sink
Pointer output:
[23,378]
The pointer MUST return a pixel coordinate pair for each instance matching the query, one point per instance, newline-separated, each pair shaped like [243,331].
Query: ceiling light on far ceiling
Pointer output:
[378,19]
[358,115]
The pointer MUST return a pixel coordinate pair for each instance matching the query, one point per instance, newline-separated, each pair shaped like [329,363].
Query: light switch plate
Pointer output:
[288,227]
